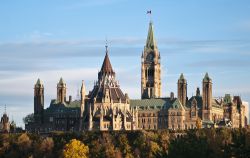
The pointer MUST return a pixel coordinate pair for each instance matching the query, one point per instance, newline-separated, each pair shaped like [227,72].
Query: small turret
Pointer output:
[38,101]
[207,97]
[172,96]
[61,91]
[198,93]
[83,93]
[182,89]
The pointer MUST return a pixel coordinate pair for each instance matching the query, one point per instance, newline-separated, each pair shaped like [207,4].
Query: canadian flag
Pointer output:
[149,12]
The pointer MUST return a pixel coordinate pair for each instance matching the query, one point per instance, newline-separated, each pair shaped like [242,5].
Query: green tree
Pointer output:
[164,142]
[124,145]
[28,118]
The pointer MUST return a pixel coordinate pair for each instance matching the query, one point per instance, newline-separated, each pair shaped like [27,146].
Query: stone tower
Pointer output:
[182,89]
[83,93]
[150,68]
[5,124]
[38,101]
[61,91]
[206,98]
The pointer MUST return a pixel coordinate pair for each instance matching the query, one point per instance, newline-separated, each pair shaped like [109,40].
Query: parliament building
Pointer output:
[107,107]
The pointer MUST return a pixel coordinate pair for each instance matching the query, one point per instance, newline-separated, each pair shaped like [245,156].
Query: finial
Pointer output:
[106,45]
[5,108]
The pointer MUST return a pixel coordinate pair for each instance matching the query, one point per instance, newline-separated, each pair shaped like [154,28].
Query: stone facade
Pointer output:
[150,68]
[107,108]
[182,112]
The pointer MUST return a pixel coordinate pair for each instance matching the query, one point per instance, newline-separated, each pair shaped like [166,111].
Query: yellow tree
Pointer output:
[198,123]
[75,149]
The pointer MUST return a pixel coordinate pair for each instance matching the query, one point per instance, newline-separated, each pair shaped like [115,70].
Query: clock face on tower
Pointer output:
[150,57]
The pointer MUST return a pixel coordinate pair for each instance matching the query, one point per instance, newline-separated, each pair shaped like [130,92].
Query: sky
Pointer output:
[51,39]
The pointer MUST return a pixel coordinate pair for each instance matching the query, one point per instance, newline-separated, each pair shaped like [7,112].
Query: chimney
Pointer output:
[172,96]
[70,99]
[198,93]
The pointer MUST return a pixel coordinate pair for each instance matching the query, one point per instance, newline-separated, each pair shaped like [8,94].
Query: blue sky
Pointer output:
[53,39]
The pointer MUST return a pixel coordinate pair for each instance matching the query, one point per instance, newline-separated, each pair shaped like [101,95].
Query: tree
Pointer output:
[164,142]
[124,145]
[28,118]
[75,149]
[108,147]
[24,144]
[46,146]
[198,123]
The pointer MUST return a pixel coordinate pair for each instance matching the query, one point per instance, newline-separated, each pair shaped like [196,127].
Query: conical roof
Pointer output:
[207,78]
[182,78]
[106,66]
[151,42]
[39,83]
[61,81]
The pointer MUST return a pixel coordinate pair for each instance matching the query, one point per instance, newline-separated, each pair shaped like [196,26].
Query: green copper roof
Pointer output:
[176,104]
[182,77]
[197,98]
[61,81]
[74,104]
[206,78]
[147,102]
[155,103]
[227,99]
[38,82]
[151,42]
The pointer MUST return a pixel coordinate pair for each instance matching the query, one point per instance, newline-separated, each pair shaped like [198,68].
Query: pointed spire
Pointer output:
[39,83]
[61,81]
[106,66]
[83,87]
[207,78]
[182,77]
[151,42]
[198,93]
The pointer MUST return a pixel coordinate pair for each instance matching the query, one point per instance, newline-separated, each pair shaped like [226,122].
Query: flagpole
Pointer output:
[149,13]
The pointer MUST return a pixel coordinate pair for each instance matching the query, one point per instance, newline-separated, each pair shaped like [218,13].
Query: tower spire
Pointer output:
[151,67]
[151,42]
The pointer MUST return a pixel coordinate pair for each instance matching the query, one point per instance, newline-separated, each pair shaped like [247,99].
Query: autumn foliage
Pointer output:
[202,143]
[75,149]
